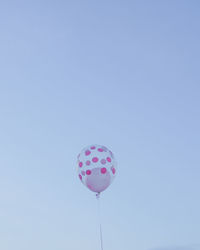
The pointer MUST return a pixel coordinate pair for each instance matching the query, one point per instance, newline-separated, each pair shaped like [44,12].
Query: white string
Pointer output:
[99,212]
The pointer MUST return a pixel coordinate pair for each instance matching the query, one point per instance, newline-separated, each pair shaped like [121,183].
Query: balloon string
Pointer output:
[100,227]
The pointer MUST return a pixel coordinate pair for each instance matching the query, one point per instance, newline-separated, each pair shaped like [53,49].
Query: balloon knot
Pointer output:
[98,195]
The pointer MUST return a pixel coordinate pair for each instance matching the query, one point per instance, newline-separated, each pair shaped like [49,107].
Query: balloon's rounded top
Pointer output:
[96,167]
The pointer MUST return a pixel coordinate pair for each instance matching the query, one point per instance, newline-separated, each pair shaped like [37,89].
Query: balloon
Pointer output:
[96,167]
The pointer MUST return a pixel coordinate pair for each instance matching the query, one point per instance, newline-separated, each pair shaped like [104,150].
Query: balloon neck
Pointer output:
[98,195]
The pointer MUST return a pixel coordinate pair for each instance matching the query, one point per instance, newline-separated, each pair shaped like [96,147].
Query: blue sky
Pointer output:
[124,74]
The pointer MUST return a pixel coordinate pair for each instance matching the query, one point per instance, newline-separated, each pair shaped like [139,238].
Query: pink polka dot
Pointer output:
[93,147]
[95,159]
[88,172]
[89,186]
[80,177]
[113,170]
[103,170]
[83,173]
[108,159]
[80,164]
[87,152]
[103,161]
[100,149]
[87,163]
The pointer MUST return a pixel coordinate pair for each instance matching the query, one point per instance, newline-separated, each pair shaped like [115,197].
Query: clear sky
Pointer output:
[124,74]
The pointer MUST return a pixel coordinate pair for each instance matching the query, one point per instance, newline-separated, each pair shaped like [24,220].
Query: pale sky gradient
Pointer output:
[124,74]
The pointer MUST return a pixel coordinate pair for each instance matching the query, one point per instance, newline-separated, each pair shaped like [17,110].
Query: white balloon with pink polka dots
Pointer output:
[96,167]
